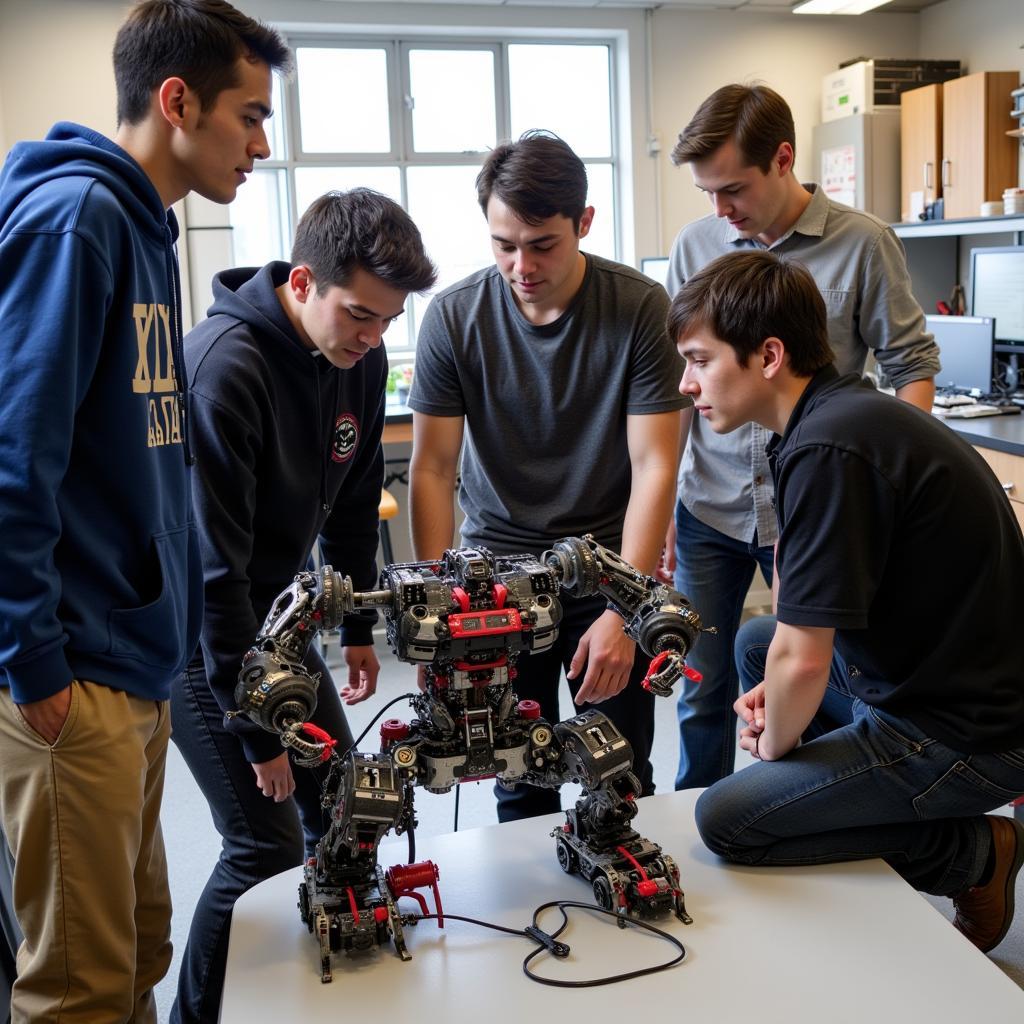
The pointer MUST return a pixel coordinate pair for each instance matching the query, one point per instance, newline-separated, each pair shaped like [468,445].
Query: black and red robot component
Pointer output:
[466,619]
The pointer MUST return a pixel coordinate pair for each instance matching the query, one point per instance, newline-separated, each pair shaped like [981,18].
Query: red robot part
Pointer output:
[405,879]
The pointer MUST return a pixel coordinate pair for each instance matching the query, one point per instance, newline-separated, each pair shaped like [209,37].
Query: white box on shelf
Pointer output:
[849,90]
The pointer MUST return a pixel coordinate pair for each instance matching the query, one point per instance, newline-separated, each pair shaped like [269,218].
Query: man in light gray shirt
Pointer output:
[740,147]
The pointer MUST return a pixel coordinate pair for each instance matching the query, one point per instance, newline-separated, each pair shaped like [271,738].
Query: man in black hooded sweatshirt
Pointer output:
[287,377]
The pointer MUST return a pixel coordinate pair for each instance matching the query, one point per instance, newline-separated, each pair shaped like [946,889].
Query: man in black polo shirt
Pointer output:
[899,582]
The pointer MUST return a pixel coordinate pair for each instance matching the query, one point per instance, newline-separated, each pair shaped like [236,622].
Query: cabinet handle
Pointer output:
[1008,487]
[945,173]
[928,174]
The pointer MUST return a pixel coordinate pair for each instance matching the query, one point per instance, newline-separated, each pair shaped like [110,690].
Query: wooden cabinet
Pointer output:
[1009,469]
[979,160]
[920,146]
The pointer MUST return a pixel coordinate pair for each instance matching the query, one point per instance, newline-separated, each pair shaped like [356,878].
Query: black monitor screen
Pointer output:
[997,290]
[965,348]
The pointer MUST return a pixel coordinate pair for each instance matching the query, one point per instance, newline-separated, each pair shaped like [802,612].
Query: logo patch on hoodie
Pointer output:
[346,437]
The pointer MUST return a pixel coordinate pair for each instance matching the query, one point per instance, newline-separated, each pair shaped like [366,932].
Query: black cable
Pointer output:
[548,942]
[373,722]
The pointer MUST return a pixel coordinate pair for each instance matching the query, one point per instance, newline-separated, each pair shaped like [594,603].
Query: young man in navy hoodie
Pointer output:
[287,382]
[101,592]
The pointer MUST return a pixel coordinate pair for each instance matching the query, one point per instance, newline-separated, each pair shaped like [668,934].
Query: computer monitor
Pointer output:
[997,290]
[655,267]
[965,348]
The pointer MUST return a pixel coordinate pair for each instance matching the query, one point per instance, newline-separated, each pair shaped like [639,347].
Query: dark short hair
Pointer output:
[757,117]
[343,231]
[747,296]
[536,177]
[199,41]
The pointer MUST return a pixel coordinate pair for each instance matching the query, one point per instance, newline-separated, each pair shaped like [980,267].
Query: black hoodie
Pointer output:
[288,449]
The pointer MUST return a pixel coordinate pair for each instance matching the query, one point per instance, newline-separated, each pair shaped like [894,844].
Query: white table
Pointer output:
[837,943]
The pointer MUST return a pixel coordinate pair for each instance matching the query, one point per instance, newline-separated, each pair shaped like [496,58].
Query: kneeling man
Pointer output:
[899,571]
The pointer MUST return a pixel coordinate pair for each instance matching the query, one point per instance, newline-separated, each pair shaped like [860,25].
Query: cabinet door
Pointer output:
[920,145]
[978,158]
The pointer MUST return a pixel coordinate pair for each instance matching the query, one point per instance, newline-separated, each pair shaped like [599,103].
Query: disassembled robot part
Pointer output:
[466,619]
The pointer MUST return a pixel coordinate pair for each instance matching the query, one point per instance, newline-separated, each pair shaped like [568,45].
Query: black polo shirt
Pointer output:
[896,533]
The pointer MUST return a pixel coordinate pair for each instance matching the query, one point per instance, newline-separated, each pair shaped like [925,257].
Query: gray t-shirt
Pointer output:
[860,267]
[545,452]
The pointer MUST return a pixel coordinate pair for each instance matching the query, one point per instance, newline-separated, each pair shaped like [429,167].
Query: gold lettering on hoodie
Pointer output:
[154,372]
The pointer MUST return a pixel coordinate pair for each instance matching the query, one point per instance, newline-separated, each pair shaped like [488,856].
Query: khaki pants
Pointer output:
[90,878]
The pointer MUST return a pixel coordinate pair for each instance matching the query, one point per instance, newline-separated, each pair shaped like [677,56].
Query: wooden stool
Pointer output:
[387,509]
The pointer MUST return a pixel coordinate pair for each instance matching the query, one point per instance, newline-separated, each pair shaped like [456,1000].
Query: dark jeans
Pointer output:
[260,838]
[752,642]
[877,787]
[632,709]
[10,933]
[714,572]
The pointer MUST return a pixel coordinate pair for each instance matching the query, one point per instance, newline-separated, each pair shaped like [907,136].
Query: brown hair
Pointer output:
[199,41]
[757,117]
[747,296]
[536,177]
[344,231]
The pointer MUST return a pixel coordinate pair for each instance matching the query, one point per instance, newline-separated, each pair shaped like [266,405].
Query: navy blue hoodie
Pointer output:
[288,449]
[99,564]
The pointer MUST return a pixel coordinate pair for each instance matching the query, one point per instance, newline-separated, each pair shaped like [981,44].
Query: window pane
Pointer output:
[601,196]
[312,182]
[575,101]
[275,127]
[259,220]
[442,202]
[453,96]
[331,121]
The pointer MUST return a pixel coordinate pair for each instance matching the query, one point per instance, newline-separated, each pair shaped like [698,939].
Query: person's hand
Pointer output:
[665,572]
[750,708]
[47,716]
[608,654]
[363,669]
[421,678]
[274,778]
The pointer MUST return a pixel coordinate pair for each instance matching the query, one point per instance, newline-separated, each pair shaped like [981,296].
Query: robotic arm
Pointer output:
[433,613]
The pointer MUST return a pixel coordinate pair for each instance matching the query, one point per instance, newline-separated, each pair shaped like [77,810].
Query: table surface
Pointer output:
[832,943]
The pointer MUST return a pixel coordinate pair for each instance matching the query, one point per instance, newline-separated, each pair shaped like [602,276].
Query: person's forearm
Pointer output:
[651,502]
[431,512]
[794,687]
[918,392]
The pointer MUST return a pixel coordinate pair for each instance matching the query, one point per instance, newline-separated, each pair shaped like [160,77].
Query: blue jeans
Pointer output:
[260,838]
[751,649]
[714,572]
[877,787]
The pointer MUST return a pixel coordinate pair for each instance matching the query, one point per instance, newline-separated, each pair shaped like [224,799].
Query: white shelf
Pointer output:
[970,226]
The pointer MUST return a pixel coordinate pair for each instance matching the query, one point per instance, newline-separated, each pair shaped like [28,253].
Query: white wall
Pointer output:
[696,53]
[55,64]
[985,35]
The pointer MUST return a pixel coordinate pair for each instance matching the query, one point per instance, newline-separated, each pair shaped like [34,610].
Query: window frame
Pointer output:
[402,156]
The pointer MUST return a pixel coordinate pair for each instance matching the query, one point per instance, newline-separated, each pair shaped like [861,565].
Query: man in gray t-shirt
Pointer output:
[552,374]
[740,146]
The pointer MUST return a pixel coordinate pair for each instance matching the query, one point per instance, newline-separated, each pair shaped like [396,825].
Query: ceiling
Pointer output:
[762,6]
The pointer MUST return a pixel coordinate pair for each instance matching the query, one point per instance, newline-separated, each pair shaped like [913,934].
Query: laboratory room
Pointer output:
[419,424]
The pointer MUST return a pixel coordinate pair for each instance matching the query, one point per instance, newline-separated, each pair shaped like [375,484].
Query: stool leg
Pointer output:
[385,543]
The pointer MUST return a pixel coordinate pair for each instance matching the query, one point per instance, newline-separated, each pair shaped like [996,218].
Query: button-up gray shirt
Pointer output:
[861,268]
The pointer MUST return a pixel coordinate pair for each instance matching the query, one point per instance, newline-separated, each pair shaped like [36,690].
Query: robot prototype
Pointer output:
[466,619]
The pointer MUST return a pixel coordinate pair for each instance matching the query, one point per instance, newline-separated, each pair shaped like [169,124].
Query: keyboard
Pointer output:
[970,412]
[948,401]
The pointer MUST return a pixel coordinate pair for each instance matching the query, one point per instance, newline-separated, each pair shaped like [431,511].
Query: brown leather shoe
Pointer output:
[984,912]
